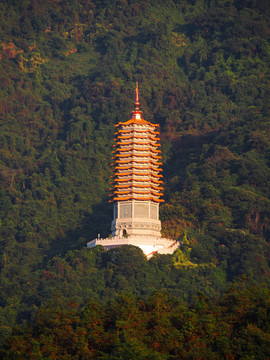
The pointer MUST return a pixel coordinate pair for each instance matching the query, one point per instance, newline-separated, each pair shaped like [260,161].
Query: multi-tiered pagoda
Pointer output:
[137,187]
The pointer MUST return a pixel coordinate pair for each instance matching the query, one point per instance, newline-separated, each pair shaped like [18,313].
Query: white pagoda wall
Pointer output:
[136,218]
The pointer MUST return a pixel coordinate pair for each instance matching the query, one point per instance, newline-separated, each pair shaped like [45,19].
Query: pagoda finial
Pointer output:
[137,101]
[136,114]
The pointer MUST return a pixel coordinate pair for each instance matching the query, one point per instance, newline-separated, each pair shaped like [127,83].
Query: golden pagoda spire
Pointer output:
[137,113]
[137,102]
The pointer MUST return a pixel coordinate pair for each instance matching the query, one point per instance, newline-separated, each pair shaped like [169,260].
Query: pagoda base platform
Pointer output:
[149,244]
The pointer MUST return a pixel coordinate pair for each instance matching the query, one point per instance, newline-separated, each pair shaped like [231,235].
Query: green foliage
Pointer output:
[159,327]
[67,73]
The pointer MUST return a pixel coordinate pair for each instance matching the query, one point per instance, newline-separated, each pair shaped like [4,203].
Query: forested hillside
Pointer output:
[68,70]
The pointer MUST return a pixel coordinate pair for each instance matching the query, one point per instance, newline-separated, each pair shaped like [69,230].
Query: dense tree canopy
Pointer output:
[67,71]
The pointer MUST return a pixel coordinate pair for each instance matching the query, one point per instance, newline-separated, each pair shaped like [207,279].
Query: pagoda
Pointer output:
[136,187]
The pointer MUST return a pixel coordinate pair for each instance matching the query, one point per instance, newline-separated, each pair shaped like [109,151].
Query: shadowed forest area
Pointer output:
[67,72]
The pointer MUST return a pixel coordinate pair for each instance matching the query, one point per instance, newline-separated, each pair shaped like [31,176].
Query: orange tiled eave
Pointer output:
[120,131]
[137,167]
[138,192]
[137,143]
[137,185]
[136,121]
[137,198]
[140,149]
[139,180]
[135,160]
[138,155]
[137,173]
